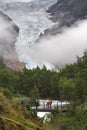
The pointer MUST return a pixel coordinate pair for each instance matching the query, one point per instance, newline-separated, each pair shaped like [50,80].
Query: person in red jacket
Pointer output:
[49,103]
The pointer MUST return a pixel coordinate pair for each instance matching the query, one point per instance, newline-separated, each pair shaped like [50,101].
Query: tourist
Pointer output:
[36,103]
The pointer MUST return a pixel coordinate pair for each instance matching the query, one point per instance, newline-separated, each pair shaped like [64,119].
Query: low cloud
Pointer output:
[8,36]
[61,49]
[6,28]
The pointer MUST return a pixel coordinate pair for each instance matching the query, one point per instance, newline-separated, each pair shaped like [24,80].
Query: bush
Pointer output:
[6,92]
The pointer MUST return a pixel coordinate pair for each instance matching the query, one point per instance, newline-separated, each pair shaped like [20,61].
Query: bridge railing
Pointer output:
[54,106]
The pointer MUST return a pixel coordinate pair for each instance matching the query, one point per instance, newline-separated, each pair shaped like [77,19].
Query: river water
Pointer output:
[55,103]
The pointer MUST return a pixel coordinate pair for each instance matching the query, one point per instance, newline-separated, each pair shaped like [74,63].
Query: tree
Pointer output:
[66,88]
[34,93]
[81,88]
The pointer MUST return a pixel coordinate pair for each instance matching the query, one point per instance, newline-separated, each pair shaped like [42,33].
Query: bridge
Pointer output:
[54,107]
[43,107]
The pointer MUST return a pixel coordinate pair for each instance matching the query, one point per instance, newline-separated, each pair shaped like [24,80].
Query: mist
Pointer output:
[6,28]
[8,37]
[61,49]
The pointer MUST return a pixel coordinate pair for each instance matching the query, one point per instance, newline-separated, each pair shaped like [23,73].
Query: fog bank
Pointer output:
[61,49]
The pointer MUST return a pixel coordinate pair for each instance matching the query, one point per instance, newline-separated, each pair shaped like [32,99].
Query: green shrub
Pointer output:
[6,92]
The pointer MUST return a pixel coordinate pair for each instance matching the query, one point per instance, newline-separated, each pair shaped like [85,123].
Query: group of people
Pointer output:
[48,102]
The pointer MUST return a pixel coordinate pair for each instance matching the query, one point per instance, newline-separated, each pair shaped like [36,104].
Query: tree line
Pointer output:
[70,83]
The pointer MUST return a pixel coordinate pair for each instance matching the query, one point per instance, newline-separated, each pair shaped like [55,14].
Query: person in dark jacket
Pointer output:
[36,103]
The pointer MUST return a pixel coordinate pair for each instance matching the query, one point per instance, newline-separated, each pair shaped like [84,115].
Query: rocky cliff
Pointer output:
[67,12]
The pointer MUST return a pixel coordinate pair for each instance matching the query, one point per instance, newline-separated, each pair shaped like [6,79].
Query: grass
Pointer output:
[17,121]
[14,114]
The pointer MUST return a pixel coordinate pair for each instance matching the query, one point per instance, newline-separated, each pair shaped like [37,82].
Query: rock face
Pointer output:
[69,11]
[8,36]
[14,65]
[66,12]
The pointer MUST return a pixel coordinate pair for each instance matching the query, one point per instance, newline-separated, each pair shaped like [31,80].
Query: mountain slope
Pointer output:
[67,12]
[75,9]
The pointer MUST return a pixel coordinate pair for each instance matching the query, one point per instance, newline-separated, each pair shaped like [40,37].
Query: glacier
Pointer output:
[32,19]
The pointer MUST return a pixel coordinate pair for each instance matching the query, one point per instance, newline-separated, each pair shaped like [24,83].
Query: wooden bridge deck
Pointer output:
[52,110]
